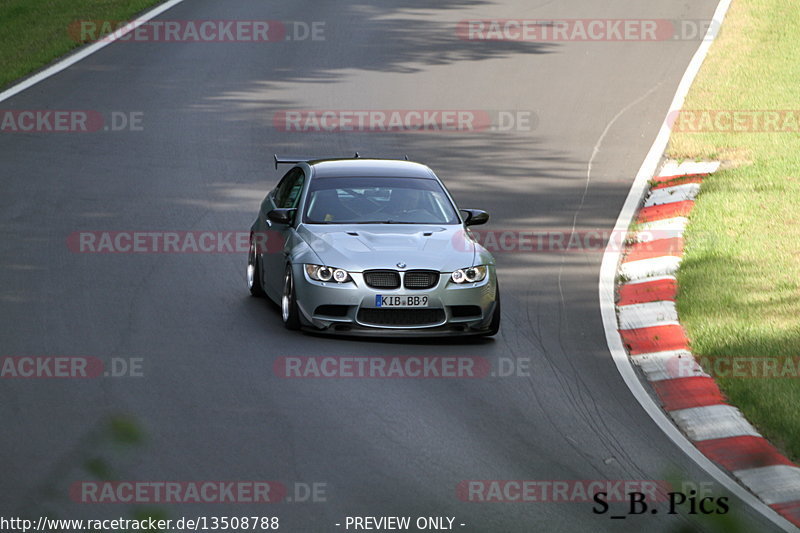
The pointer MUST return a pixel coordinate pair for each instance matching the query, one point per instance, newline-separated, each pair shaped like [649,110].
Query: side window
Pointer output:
[296,188]
[289,188]
[283,187]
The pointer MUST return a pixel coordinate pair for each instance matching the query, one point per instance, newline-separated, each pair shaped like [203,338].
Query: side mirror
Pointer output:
[282,216]
[475,217]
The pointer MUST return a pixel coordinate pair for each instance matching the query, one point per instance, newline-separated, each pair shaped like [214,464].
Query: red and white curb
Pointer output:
[655,341]
[656,278]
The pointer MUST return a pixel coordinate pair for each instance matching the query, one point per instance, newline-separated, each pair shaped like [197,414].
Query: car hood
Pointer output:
[365,246]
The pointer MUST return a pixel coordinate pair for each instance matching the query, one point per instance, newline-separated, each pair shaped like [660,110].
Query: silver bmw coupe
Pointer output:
[371,247]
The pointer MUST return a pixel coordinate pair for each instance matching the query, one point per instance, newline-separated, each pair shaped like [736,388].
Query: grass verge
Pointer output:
[739,282]
[35,32]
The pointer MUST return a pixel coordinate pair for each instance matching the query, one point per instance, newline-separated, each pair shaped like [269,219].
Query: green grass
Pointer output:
[739,283]
[35,32]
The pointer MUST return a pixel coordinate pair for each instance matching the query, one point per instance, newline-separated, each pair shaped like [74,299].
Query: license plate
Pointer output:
[400,301]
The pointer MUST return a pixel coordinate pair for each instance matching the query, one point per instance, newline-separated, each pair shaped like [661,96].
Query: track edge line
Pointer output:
[85,52]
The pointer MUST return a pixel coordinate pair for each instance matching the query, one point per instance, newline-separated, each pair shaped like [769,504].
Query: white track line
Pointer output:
[677,193]
[671,364]
[654,278]
[85,52]
[775,483]
[646,315]
[674,168]
[645,269]
[606,291]
[667,228]
[716,421]
[664,223]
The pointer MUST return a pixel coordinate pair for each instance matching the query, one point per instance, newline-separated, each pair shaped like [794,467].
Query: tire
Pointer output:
[254,272]
[289,312]
[494,326]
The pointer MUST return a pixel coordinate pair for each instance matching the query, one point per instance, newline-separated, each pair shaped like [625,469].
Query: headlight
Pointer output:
[340,276]
[326,273]
[469,274]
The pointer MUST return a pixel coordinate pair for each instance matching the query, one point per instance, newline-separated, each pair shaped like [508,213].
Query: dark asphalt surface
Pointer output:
[209,405]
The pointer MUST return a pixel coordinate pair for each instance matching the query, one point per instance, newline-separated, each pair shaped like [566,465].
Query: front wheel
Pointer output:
[289,311]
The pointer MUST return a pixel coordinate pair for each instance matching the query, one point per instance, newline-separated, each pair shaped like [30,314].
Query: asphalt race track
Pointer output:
[209,404]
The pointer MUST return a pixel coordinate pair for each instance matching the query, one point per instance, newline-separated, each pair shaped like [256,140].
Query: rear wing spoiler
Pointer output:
[295,160]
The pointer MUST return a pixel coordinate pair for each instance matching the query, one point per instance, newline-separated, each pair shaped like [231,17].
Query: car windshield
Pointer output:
[378,201]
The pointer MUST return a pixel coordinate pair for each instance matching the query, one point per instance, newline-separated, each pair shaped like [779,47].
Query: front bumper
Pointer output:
[350,308]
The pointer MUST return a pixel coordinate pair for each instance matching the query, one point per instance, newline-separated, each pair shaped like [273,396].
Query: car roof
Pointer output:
[394,168]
